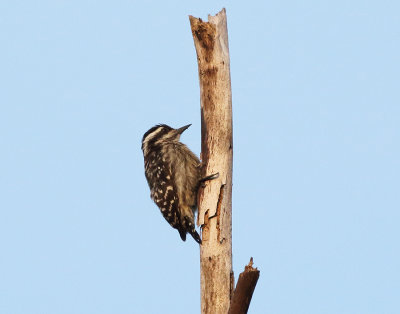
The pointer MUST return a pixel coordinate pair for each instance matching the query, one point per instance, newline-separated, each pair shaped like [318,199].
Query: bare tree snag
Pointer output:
[215,200]
[244,289]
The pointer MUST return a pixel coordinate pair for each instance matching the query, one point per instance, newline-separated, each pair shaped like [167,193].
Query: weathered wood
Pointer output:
[244,289]
[215,200]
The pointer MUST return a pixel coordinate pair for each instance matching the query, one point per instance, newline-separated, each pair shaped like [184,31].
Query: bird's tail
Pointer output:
[195,236]
[191,229]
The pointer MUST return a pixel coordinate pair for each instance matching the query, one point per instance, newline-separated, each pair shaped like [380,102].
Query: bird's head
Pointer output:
[161,133]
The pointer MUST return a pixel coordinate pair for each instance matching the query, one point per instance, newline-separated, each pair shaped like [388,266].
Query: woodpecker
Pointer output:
[173,173]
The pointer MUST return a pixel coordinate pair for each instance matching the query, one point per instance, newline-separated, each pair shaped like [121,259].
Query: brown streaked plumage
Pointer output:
[173,173]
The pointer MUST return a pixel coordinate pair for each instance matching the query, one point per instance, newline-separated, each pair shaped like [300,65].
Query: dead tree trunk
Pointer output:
[215,200]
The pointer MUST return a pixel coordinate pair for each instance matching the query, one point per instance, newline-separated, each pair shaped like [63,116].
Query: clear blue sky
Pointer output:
[316,102]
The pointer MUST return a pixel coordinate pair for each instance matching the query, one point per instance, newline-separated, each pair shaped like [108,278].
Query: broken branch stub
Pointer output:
[244,289]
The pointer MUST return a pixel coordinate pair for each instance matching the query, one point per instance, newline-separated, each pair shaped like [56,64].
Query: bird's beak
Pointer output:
[182,129]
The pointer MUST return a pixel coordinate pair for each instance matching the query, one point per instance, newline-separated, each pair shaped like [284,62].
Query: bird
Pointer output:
[173,173]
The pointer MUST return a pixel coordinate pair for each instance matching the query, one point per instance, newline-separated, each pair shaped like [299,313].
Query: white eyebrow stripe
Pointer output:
[152,135]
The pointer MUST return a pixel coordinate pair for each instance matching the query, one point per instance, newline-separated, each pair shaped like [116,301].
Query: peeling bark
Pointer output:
[219,204]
